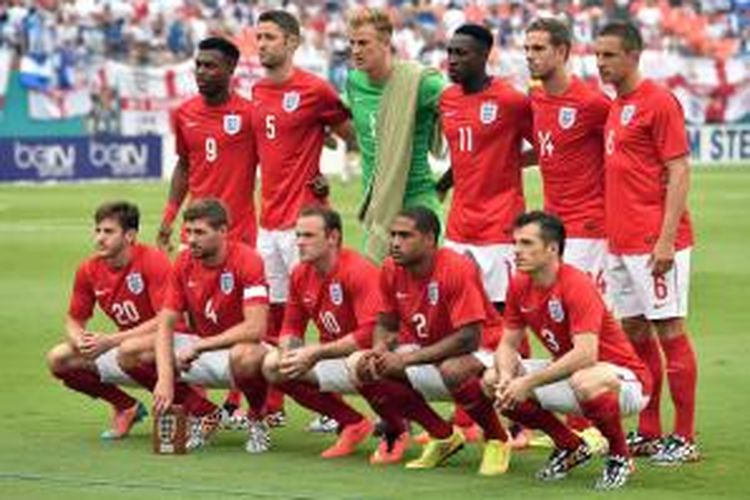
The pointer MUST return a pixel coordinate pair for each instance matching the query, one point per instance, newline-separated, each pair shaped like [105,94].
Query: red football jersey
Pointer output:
[485,133]
[569,141]
[435,306]
[644,130]
[572,305]
[213,297]
[217,144]
[343,302]
[289,121]
[129,295]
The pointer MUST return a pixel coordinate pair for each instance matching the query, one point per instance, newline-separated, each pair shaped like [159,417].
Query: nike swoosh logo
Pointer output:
[99,293]
[401,295]
[191,284]
[526,309]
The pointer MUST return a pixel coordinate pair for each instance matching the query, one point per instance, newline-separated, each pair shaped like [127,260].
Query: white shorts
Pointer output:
[636,292]
[210,369]
[496,263]
[110,371]
[590,256]
[278,248]
[559,396]
[333,376]
[428,381]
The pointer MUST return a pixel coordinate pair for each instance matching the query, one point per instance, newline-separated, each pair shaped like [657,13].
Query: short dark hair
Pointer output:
[210,209]
[479,33]
[331,218]
[227,48]
[425,220]
[558,31]
[125,213]
[283,19]
[551,228]
[627,32]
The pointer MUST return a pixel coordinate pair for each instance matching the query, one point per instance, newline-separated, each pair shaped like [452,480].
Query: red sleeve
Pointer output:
[82,299]
[599,110]
[175,292]
[331,110]
[295,316]
[584,306]
[180,145]
[512,318]
[668,129]
[157,267]
[364,293]
[387,303]
[252,278]
[464,297]
[525,119]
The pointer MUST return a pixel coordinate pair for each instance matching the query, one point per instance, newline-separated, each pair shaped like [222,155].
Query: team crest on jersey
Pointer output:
[433,293]
[556,311]
[290,101]
[336,293]
[627,113]
[226,282]
[566,117]
[488,112]
[135,283]
[232,124]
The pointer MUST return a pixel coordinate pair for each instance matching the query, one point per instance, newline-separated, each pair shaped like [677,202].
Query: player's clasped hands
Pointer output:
[297,362]
[92,344]
[511,391]
[389,364]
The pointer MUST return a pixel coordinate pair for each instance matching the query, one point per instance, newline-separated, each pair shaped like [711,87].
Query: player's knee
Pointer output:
[128,354]
[57,359]
[636,327]
[452,372]
[352,364]
[590,383]
[271,364]
[488,382]
[247,359]
[669,328]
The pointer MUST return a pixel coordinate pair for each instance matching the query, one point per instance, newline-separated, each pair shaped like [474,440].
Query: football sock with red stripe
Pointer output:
[471,398]
[649,421]
[604,411]
[89,383]
[531,415]
[682,374]
[325,403]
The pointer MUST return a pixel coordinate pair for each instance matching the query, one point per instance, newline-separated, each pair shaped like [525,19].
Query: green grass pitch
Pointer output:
[49,445]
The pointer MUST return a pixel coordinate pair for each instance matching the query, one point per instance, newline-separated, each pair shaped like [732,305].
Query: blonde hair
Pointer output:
[377,18]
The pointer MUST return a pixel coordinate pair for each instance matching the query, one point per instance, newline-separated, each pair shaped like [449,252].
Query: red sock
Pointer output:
[471,398]
[461,418]
[325,403]
[234,398]
[649,421]
[414,407]
[533,416]
[382,404]
[89,383]
[604,411]
[274,400]
[255,390]
[577,422]
[682,374]
[191,399]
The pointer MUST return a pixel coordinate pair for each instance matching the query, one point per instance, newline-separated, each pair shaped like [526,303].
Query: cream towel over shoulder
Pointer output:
[395,137]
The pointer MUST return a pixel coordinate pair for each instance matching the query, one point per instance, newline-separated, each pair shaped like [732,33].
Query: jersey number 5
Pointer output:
[271,126]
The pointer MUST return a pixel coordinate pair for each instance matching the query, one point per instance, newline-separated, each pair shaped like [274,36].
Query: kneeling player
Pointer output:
[337,289]
[126,279]
[594,370]
[435,297]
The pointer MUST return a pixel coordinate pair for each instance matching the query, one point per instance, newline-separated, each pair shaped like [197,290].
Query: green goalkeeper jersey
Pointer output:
[364,98]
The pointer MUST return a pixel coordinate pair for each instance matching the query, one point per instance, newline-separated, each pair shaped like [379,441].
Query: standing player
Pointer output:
[220,284]
[127,281]
[435,298]
[569,120]
[485,121]
[292,111]
[650,235]
[394,104]
[216,151]
[594,370]
[337,289]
